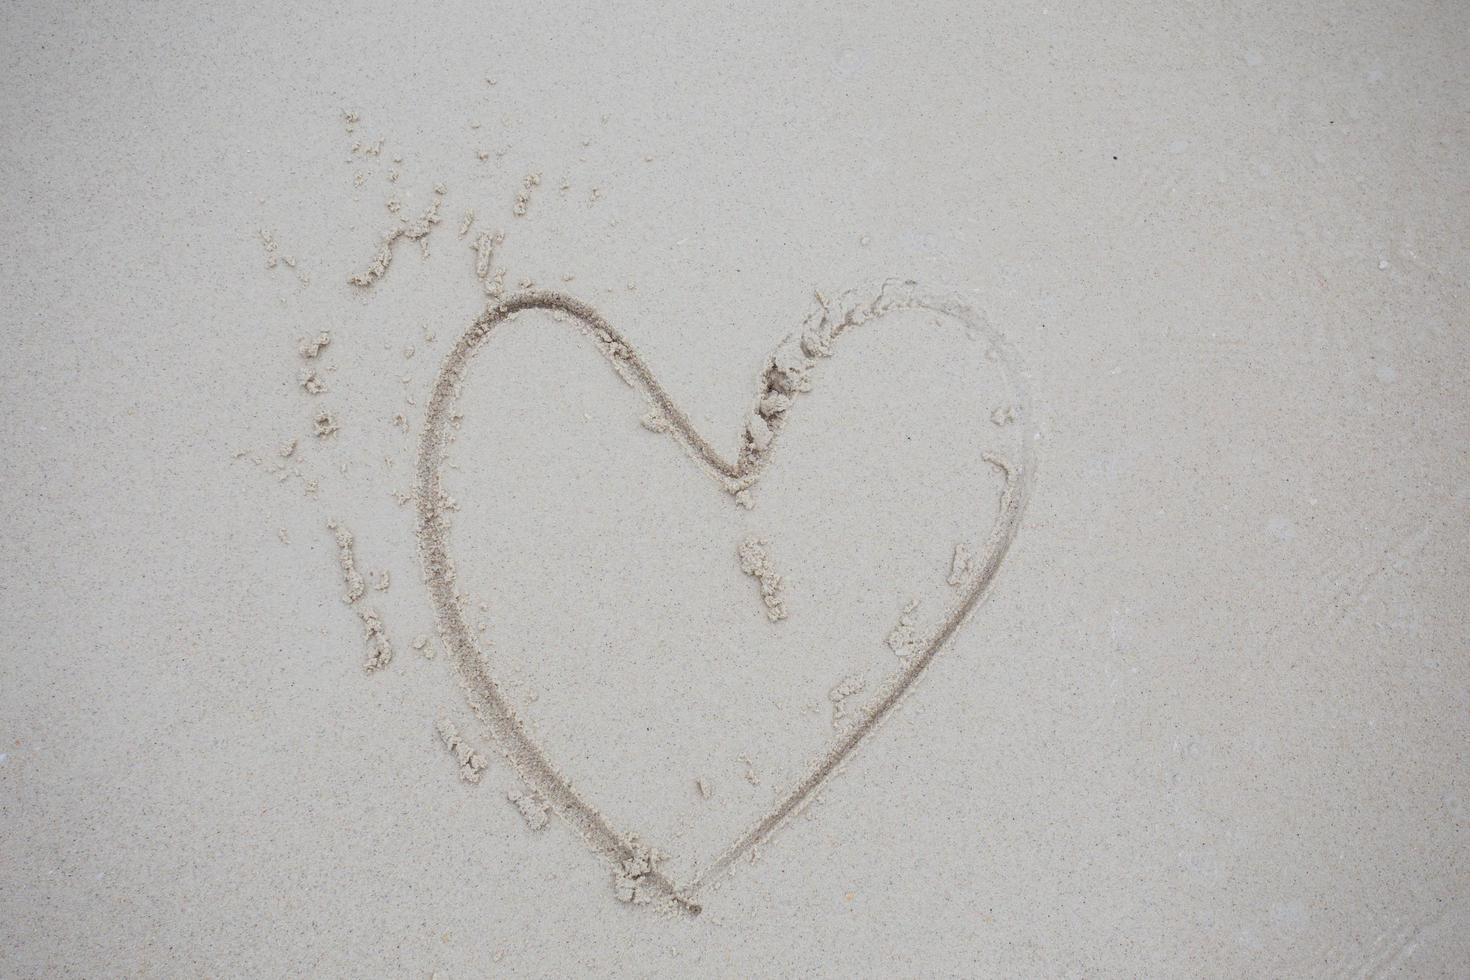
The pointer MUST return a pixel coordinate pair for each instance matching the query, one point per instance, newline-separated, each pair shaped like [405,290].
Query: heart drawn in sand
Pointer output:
[782,382]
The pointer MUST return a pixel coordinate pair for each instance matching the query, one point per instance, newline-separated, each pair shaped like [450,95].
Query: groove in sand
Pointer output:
[785,377]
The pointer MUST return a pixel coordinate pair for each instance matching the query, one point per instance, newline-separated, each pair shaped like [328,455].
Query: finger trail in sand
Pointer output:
[787,374]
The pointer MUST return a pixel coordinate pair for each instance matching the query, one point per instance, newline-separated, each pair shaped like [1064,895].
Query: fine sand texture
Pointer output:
[809,490]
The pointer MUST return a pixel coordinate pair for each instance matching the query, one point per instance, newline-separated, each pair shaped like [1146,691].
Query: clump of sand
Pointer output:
[347,558]
[380,648]
[961,567]
[904,638]
[533,809]
[755,561]
[491,280]
[788,371]
[414,231]
[640,866]
[471,762]
[523,196]
[309,349]
[839,696]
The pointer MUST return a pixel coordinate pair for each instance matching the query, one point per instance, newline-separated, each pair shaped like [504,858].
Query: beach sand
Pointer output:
[788,491]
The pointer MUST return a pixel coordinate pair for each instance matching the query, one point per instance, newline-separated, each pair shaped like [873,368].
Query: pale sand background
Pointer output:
[1215,717]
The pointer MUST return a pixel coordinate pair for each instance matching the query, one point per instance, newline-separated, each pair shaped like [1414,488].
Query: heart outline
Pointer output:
[785,373]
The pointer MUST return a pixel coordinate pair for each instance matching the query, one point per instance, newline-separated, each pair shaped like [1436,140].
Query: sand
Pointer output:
[957,490]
